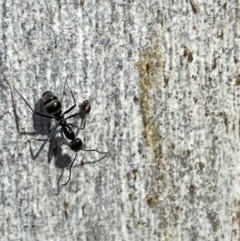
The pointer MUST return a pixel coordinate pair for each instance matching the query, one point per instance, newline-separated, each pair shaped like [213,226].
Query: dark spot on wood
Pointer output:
[147,67]
[83,209]
[214,64]
[192,188]
[82,3]
[238,80]
[135,99]
[66,206]
[201,165]
[190,57]
[185,53]
[135,173]
[130,196]
[132,174]
[220,35]
[129,53]
[178,208]
[149,201]
[166,80]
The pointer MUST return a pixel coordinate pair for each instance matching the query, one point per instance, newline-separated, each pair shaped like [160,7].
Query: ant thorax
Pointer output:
[62,122]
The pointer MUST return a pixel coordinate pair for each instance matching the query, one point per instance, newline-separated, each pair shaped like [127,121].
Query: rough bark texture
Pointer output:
[164,83]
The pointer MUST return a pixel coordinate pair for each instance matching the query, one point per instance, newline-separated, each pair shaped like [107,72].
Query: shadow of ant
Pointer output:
[61,160]
[41,125]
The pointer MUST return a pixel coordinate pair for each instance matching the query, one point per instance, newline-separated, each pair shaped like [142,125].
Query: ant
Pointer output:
[53,107]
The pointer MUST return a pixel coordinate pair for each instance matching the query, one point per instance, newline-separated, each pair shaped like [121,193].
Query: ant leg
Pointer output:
[35,112]
[71,108]
[78,127]
[83,122]
[70,170]
[101,152]
[85,108]
[49,137]
[34,156]
[93,162]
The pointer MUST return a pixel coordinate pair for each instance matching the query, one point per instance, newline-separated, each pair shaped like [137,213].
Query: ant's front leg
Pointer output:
[72,107]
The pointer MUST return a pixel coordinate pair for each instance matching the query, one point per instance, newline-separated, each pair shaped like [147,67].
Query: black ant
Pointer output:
[54,108]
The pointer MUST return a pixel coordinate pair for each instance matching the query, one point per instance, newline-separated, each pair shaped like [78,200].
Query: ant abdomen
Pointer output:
[76,145]
[52,104]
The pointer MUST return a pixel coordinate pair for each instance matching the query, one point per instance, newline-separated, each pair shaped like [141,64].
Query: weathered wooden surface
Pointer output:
[163,79]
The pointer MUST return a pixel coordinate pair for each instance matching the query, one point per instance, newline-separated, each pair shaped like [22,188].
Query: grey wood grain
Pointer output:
[163,81]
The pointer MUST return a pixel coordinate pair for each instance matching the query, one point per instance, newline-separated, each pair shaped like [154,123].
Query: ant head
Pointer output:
[86,106]
[52,104]
[76,145]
